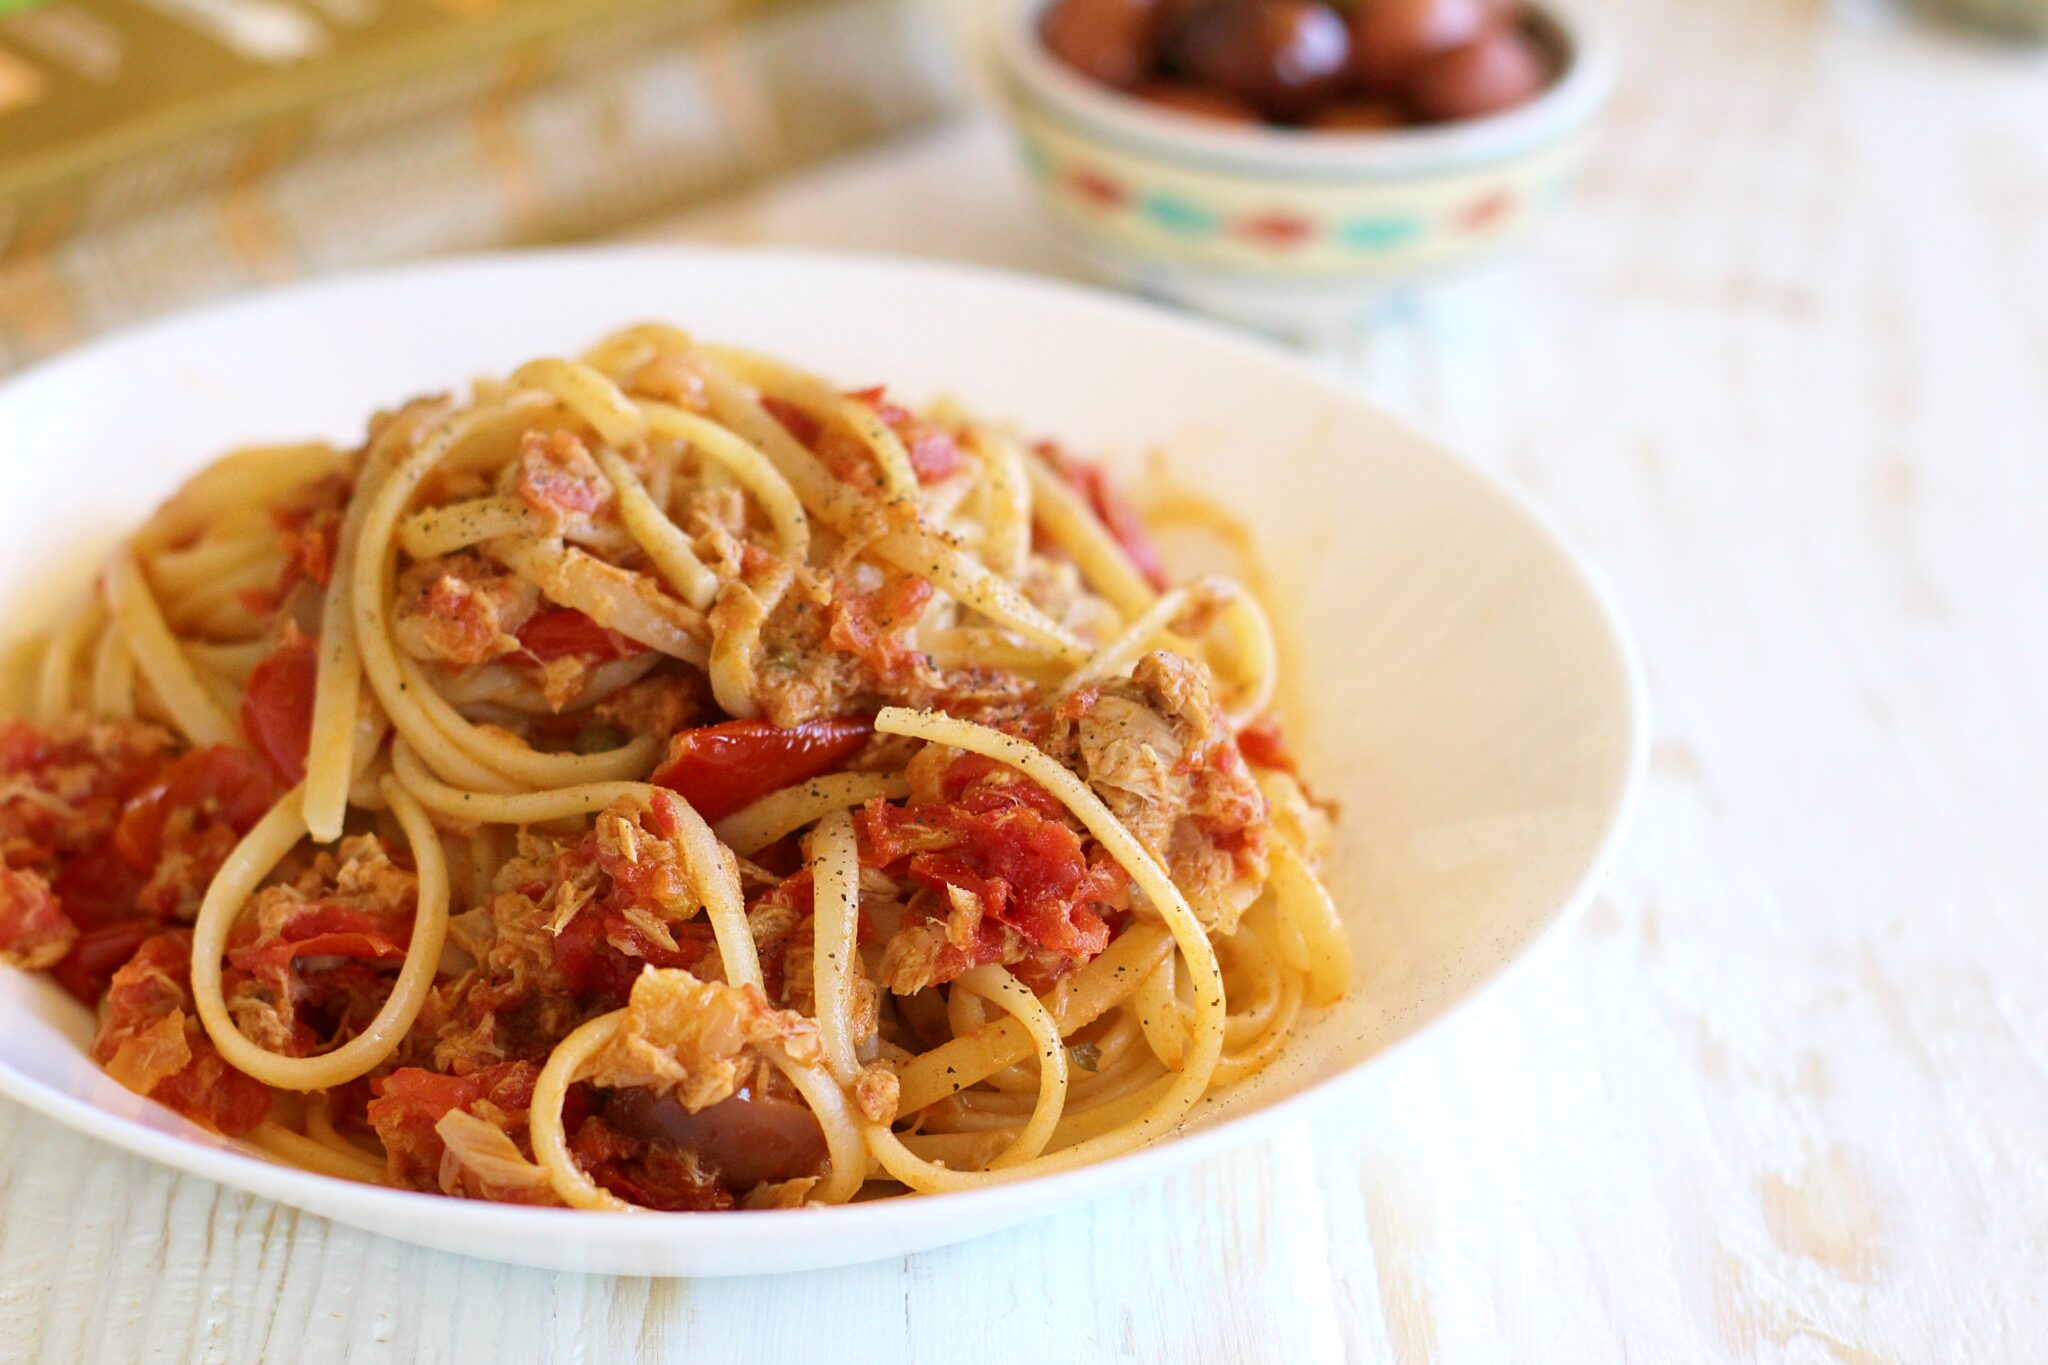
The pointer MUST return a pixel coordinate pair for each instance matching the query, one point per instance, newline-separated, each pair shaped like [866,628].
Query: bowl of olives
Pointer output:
[1284,163]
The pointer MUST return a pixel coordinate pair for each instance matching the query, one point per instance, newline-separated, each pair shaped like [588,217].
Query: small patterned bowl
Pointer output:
[1291,232]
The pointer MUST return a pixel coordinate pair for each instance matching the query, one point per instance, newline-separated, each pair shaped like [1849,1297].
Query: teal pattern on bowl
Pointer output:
[1178,215]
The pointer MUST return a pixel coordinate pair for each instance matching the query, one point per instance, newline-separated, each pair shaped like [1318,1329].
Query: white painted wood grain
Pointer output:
[1783,370]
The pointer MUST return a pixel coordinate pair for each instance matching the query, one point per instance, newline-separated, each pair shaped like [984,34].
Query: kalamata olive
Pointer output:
[1357,116]
[1495,71]
[1286,56]
[1391,38]
[749,1139]
[1201,100]
[1110,40]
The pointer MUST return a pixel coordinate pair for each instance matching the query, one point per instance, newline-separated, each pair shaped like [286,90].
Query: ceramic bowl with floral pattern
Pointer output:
[1290,230]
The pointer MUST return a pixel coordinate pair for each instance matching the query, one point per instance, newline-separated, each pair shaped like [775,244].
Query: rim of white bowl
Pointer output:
[633,1233]
[1059,92]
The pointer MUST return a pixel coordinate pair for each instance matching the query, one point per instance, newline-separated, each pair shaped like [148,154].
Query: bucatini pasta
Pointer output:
[664,780]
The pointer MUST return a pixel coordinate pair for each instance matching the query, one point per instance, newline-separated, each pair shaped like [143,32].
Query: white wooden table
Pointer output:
[1783,1095]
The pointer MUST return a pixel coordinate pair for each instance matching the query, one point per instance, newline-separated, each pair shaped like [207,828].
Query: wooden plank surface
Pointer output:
[1782,369]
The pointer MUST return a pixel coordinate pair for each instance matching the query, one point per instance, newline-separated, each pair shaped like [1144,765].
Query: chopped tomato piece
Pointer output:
[277,706]
[320,929]
[151,1041]
[565,632]
[210,1092]
[794,419]
[98,886]
[1115,510]
[723,768]
[1264,745]
[100,952]
[934,452]
[211,786]
[172,837]
[581,952]
[308,522]
[410,1093]
[601,951]
[997,843]
[62,789]
[871,625]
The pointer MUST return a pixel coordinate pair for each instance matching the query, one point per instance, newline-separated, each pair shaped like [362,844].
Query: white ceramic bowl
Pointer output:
[1289,231]
[1467,693]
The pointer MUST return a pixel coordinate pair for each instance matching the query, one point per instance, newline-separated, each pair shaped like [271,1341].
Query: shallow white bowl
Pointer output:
[1466,691]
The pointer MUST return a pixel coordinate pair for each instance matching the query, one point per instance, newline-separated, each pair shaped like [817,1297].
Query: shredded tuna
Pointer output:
[1156,749]
[781,1194]
[835,647]
[671,377]
[697,1040]
[557,478]
[479,1154]
[1056,587]
[608,903]
[658,706]
[461,610]
[34,931]
[152,1053]
[876,1091]
[514,1004]
[438,1132]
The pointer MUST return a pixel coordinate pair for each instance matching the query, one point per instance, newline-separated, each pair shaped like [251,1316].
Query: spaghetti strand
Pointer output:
[253,859]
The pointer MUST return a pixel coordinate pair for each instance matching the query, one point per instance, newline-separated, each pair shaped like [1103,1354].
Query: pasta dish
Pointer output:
[664,780]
